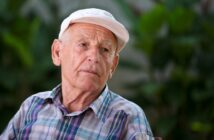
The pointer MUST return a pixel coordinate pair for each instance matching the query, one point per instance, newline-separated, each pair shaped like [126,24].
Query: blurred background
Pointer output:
[167,68]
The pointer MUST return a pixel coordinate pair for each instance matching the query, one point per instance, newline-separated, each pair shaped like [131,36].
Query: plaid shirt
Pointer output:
[110,117]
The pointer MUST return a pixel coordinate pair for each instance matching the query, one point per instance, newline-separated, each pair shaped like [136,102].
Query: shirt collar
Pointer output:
[100,106]
[56,92]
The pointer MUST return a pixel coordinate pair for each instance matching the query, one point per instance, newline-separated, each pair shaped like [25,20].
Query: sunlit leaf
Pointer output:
[198,126]
[20,49]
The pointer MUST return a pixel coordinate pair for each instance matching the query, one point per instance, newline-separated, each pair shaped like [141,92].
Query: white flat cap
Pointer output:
[99,17]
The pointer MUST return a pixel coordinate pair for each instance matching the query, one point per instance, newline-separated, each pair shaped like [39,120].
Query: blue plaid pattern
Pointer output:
[109,117]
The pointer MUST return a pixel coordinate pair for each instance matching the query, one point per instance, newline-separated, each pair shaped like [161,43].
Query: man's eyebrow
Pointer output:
[108,43]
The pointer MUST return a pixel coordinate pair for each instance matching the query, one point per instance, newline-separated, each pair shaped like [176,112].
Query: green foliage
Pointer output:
[24,57]
[178,95]
[150,24]
[180,20]
[17,45]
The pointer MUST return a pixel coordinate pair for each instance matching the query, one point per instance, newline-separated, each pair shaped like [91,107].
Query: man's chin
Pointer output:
[89,85]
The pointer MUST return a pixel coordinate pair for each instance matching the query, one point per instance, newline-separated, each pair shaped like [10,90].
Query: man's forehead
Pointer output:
[86,29]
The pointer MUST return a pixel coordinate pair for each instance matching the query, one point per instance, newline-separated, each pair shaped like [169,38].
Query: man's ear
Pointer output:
[114,65]
[55,52]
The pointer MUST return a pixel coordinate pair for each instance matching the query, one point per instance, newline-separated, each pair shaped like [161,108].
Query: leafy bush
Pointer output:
[25,59]
[177,41]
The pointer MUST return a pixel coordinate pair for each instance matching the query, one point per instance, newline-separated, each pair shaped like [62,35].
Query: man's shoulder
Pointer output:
[120,103]
[43,94]
[38,96]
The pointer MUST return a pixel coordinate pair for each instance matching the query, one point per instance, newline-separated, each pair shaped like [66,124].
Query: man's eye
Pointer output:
[83,44]
[105,49]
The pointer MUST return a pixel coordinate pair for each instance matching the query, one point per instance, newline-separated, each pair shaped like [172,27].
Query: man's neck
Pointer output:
[75,99]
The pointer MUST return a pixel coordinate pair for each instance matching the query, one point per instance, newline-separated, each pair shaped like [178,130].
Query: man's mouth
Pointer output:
[90,72]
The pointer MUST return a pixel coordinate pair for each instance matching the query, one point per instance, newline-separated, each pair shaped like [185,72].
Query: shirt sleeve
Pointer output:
[138,127]
[13,127]
[142,136]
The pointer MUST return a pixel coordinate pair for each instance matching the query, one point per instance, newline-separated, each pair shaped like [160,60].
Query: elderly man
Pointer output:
[82,107]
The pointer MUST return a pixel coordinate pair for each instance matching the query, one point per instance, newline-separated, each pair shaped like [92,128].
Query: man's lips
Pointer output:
[90,72]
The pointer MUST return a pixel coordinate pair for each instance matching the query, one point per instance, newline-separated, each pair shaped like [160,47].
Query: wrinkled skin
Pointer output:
[87,55]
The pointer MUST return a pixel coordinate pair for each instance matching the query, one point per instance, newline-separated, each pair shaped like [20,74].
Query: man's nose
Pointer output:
[94,55]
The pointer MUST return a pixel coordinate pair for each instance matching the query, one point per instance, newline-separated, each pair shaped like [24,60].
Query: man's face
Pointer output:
[87,55]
